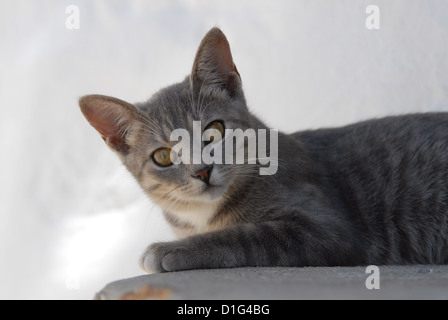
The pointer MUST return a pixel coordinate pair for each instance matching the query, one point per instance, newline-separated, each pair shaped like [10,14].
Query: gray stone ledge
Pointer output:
[396,282]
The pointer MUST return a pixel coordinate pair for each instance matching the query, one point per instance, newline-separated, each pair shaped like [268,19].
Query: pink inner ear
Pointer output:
[107,124]
[109,118]
[103,122]
[222,52]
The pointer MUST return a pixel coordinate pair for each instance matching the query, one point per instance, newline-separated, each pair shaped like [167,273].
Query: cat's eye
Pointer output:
[162,157]
[216,125]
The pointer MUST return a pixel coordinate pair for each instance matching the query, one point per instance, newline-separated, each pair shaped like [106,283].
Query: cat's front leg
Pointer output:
[196,252]
[302,242]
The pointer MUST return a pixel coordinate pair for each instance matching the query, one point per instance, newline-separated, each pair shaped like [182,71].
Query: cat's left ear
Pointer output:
[213,65]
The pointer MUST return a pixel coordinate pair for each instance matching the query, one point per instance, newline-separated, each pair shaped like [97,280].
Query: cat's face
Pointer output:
[173,108]
[140,134]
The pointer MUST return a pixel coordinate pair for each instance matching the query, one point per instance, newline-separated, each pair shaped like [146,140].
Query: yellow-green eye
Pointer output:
[216,125]
[162,157]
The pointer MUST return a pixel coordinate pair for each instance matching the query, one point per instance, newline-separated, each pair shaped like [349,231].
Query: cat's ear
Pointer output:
[213,65]
[112,118]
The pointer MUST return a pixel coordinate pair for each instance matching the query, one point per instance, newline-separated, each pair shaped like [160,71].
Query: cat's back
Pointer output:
[392,138]
[423,125]
[390,177]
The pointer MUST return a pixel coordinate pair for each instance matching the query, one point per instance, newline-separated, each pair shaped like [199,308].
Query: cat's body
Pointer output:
[389,179]
[371,193]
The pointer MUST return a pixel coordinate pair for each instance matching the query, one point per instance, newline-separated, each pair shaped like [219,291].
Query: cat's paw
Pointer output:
[165,257]
[149,262]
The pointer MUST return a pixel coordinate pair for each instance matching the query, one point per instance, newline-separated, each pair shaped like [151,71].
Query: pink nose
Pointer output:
[204,174]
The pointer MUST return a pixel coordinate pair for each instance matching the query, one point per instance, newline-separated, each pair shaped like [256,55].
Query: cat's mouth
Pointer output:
[207,185]
[209,192]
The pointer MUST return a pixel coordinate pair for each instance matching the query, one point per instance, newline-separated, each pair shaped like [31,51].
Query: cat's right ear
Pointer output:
[112,118]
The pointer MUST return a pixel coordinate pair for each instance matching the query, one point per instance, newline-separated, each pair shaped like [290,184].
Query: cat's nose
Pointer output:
[204,174]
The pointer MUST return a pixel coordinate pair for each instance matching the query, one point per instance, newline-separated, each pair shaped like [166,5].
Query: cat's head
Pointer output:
[140,133]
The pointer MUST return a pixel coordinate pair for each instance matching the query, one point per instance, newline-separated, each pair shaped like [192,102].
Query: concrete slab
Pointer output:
[396,282]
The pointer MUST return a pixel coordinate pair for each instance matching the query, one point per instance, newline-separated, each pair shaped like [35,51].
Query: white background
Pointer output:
[71,218]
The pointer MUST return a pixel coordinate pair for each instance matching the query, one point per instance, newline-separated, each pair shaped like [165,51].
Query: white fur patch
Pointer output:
[197,214]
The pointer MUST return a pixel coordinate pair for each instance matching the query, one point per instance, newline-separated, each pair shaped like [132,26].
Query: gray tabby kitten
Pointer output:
[375,192]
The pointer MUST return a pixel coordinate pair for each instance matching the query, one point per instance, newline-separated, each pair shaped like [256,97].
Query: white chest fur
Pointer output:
[194,217]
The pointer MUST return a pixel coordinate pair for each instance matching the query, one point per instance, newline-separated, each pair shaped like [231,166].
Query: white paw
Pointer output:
[148,262]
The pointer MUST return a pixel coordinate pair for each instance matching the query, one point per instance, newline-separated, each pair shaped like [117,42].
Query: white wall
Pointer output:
[71,217]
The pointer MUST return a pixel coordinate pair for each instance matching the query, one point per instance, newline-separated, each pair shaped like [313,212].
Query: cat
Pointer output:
[375,192]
